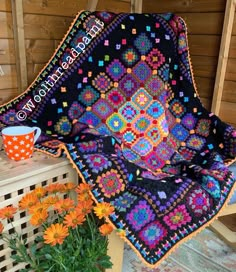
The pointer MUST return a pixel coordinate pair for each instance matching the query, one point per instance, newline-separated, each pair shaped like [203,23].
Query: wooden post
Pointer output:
[91,5]
[136,6]
[19,40]
[116,252]
[223,56]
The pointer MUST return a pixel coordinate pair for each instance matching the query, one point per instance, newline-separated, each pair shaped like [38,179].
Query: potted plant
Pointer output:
[73,230]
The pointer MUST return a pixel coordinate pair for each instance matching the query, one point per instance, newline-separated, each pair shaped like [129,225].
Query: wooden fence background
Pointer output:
[45,22]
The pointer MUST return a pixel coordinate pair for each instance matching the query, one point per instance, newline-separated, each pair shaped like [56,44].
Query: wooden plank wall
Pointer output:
[228,102]
[8,82]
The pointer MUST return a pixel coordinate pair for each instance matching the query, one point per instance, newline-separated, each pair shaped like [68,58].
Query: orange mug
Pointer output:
[18,141]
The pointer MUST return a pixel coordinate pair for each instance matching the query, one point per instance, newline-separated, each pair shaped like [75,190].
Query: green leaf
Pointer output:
[105,262]
[48,256]
[33,249]
[39,239]
[24,241]
[17,258]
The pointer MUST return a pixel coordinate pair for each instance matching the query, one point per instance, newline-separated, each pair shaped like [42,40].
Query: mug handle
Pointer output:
[38,132]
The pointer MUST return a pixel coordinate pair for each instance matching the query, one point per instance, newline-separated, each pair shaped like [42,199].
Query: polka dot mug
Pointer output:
[18,141]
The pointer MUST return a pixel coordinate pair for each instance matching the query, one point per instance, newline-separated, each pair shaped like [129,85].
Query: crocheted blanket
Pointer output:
[118,97]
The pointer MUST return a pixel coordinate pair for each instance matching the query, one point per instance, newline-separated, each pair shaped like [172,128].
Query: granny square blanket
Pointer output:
[118,98]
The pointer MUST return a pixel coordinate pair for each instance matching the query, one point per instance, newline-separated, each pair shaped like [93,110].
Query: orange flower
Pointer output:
[73,219]
[1,227]
[54,188]
[69,186]
[105,229]
[103,209]
[38,207]
[39,218]
[83,191]
[28,201]
[55,234]
[84,197]
[50,200]
[64,205]
[7,212]
[84,207]
[83,188]
[39,192]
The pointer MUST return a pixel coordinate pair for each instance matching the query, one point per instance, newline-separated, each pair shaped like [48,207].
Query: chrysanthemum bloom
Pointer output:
[39,192]
[105,229]
[84,197]
[64,205]
[7,212]
[84,207]
[1,227]
[83,191]
[83,188]
[55,234]
[54,188]
[103,209]
[69,186]
[28,201]
[39,218]
[38,207]
[73,219]
[50,200]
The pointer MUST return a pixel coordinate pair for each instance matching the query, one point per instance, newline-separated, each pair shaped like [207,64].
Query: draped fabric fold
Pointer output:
[118,98]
